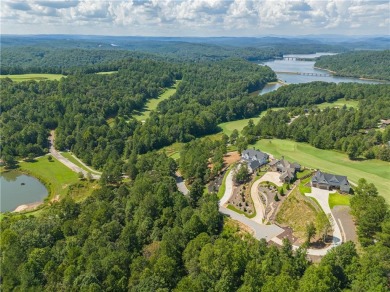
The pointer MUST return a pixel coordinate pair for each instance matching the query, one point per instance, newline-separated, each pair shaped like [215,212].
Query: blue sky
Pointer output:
[195,17]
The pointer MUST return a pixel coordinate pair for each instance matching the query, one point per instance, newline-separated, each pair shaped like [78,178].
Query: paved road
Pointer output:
[228,188]
[259,206]
[260,230]
[65,161]
[181,184]
[322,196]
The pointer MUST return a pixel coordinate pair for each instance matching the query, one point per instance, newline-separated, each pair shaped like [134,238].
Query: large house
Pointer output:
[329,181]
[287,169]
[254,158]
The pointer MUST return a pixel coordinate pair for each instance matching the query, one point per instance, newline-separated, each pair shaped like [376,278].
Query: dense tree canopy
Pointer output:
[366,64]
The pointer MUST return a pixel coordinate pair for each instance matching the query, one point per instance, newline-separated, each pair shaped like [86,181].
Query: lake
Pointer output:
[303,67]
[19,189]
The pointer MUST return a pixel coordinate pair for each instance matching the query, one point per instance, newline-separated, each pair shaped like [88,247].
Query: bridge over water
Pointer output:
[305,74]
[298,59]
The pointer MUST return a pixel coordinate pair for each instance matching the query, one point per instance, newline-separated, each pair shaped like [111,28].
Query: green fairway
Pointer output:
[37,77]
[151,105]
[229,127]
[71,158]
[375,171]
[56,176]
[339,103]
[107,73]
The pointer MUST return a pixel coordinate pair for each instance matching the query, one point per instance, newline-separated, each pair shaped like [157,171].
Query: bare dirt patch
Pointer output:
[231,157]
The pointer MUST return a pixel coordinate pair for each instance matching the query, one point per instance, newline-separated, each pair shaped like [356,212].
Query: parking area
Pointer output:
[272,176]
[345,220]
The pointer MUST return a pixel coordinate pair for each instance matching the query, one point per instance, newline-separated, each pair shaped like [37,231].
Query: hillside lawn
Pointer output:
[56,176]
[375,171]
[37,77]
[151,105]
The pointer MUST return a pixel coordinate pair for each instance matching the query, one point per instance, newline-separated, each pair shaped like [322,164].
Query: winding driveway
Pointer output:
[65,161]
[322,197]
[270,232]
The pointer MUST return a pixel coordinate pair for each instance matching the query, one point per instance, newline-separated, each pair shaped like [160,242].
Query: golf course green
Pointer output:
[374,171]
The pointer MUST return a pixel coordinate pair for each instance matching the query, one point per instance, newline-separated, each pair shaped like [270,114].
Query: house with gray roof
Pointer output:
[329,181]
[254,158]
[286,168]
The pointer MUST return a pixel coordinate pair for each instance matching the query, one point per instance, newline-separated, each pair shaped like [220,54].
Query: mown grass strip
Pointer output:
[337,199]
[37,77]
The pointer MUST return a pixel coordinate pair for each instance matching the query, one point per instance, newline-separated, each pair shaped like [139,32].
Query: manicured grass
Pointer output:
[151,105]
[303,173]
[37,77]
[339,103]
[229,127]
[303,188]
[56,176]
[173,150]
[375,171]
[71,158]
[337,199]
[107,73]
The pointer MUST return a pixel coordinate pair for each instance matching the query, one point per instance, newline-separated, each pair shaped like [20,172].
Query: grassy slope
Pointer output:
[54,174]
[24,77]
[375,171]
[296,212]
[151,105]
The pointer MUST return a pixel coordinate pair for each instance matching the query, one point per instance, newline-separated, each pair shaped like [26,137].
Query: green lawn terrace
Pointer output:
[374,171]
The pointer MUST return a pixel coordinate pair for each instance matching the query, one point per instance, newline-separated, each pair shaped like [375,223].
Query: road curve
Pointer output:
[65,161]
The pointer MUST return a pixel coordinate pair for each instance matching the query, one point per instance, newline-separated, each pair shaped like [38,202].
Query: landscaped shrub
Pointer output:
[276,198]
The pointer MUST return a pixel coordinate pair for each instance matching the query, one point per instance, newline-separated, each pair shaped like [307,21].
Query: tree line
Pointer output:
[354,131]
[366,64]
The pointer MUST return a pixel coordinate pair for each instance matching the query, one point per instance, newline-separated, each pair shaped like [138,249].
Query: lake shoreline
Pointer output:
[32,205]
[360,78]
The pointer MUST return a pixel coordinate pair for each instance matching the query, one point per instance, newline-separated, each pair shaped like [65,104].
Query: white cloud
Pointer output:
[195,17]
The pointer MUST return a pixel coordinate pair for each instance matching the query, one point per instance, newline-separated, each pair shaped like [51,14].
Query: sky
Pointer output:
[195,17]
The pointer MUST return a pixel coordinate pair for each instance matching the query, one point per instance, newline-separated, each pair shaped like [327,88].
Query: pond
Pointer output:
[19,189]
[289,70]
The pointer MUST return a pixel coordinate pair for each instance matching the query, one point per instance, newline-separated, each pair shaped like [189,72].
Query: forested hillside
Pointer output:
[146,236]
[79,106]
[366,64]
[39,59]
